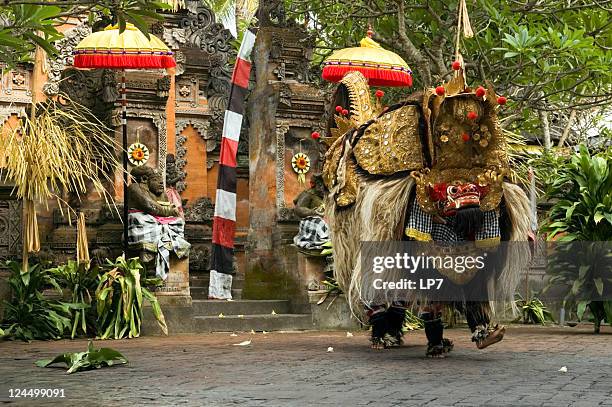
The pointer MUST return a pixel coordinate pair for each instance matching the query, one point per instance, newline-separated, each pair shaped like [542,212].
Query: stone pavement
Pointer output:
[295,369]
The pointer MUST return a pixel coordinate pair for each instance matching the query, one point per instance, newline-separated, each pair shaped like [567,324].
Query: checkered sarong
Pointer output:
[161,236]
[422,227]
[312,234]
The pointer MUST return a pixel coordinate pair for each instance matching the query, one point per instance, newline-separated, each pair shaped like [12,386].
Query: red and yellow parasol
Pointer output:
[380,66]
[130,49]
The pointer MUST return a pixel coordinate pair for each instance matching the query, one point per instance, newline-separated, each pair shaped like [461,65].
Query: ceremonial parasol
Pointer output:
[130,49]
[380,66]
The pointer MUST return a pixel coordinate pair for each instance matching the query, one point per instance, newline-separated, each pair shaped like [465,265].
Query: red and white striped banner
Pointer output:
[224,221]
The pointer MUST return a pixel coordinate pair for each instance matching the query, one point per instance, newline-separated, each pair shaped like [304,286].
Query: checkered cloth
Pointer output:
[312,234]
[422,227]
[159,236]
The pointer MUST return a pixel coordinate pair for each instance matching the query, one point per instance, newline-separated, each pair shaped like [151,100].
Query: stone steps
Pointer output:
[239,307]
[256,322]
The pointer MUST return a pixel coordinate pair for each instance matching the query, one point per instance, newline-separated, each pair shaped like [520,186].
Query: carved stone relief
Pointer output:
[15,85]
[10,228]
[282,127]
[201,126]
[7,111]
[201,211]
[64,59]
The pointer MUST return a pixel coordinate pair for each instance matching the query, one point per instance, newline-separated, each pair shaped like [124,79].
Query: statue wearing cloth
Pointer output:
[155,228]
[434,169]
[313,231]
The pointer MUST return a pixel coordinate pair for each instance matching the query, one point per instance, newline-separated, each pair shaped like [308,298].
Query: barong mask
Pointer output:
[467,148]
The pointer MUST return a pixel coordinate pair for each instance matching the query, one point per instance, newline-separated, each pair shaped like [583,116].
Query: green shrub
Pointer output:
[81,280]
[29,315]
[582,215]
[119,295]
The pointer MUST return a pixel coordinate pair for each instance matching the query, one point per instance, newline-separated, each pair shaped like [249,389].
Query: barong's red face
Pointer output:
[453,197]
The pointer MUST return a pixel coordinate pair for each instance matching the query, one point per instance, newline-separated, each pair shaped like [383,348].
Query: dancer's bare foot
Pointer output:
[377,343]
[496,335]
[435,351]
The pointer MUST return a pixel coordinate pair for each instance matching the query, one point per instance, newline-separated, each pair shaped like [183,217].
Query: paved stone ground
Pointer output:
[295,369]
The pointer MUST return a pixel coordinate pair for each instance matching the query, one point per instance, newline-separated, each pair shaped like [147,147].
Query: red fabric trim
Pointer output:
[229,148]
[124,61]
[223,232]
[242,73]
[376,76]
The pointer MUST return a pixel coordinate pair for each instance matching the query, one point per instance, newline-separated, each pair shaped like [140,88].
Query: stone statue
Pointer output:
[310,202]
[155,228]
[313,231]
[148,194]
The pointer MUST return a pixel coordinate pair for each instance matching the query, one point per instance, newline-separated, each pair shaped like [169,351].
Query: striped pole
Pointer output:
[125,164]
[224,220]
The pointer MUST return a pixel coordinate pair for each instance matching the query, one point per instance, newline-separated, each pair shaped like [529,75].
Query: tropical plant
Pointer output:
[120,295]
[583,194]
[331,286]
[533,311]
[24,25]
[30,315]
[81,280]
[91,359]
[412,322]
[581,220]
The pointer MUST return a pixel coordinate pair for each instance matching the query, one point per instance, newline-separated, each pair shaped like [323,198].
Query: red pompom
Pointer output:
[472,115]
[456,65]
[465,137]
[502,100]
[480,92]
[315,135]
[440,91]
[379,93]
[344,112]
[338,109]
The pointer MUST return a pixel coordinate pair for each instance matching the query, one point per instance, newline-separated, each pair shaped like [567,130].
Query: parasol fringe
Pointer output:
[376,77]
[124,61]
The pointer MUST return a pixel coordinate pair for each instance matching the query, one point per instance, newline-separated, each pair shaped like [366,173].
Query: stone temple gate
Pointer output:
[183,116]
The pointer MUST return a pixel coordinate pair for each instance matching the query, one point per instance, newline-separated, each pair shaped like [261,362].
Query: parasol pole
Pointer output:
[125,164]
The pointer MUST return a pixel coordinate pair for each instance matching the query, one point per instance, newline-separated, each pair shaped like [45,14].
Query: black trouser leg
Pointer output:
[395,321]
[477,314]
[434,329]
[379,326]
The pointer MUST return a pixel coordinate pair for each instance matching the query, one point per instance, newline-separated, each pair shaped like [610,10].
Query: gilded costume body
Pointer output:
[433,168]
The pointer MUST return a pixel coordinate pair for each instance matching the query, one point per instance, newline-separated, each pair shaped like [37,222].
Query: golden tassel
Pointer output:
[82,247]
[31,239]
[301,179]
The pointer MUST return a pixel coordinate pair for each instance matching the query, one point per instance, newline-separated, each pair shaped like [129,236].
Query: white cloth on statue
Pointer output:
[313,233]
[161,235]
